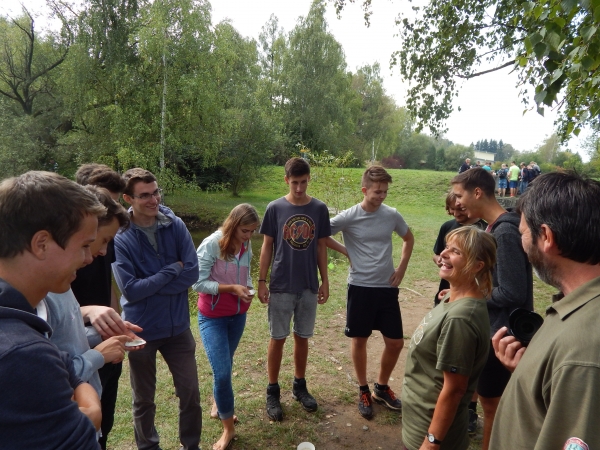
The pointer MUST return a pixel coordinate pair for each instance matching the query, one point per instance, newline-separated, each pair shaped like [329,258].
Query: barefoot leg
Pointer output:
[227,436]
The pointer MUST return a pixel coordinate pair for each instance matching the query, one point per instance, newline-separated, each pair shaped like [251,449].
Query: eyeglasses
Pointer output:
[146,196]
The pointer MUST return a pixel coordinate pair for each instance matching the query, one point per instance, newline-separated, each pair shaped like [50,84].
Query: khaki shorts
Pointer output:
[303,308]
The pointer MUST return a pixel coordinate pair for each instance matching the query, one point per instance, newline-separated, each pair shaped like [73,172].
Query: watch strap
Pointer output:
[431,438]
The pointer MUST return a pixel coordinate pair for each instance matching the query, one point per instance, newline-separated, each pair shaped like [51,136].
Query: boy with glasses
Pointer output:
[155,265]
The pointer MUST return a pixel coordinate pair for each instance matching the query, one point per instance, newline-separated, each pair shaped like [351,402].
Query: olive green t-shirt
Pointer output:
[453,337]
[552,401]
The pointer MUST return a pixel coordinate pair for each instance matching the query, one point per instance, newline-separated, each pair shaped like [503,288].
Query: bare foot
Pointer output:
[214,413]
[225,440]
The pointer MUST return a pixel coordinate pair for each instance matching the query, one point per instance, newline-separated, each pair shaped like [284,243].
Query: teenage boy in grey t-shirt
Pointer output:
[295,229]
[373,283]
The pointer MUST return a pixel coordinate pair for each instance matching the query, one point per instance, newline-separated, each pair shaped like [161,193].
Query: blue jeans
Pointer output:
[220,337]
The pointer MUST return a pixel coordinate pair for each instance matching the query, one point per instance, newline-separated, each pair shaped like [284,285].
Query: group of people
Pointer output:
[60,326]
[527,393]
[514,178]
[60,317]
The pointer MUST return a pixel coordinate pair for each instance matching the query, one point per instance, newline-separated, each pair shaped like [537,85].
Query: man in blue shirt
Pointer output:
[155,265]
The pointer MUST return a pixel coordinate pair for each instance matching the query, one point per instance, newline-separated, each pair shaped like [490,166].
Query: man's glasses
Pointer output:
[146,196]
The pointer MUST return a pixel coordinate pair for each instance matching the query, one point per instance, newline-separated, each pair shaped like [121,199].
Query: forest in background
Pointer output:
[156,84]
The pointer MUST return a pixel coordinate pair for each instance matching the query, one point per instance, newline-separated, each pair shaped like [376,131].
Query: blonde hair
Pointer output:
[478,246]
[243,214]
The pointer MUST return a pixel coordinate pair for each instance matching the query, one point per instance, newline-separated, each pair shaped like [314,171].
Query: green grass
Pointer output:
[418,195]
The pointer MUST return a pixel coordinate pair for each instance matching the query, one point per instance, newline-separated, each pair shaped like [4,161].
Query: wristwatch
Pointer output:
[431,438]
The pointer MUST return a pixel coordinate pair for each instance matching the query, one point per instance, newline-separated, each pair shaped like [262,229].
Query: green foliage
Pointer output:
[553,45]
[246,152]
[332,181]
[318,98]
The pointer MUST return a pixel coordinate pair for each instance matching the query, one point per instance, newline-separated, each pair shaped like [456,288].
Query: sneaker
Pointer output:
[365,405]
[472,427]
[300,393]
[387,398]
[274,410]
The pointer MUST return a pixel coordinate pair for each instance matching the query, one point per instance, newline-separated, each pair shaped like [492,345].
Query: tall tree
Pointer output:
[549,149]
[317,95]
[27,61]
[554,45]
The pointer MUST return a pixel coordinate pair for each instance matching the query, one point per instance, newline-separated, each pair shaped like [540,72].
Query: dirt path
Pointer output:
[344,427]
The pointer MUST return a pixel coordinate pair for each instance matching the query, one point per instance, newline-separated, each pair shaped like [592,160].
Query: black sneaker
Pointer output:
[274,410]
[387,398]
[365,404]
[300,393]
[472,427]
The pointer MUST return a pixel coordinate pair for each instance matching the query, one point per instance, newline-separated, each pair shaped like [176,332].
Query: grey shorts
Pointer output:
[282,306]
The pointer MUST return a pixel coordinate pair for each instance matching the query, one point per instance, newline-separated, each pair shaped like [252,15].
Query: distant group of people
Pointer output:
[514,178]
[62,339]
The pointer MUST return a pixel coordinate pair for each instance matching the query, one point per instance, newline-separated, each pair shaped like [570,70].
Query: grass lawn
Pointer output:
[418,195]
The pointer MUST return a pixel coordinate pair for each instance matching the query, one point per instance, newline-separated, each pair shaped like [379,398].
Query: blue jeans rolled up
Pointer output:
[220,337]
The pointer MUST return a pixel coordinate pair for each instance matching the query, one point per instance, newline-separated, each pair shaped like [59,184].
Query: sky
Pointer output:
[490,104]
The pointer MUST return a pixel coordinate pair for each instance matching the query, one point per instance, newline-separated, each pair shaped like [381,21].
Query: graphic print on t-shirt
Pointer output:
[299,231]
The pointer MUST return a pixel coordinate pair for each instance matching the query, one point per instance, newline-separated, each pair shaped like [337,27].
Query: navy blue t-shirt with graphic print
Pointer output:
[295,231]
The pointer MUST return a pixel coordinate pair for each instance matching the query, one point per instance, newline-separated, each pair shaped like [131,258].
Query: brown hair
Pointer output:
[114,210]
[107,178]
[375,174]
[476,178]
[243,214]
[134,176]
[84,171]
[296,167]
[450,201]
[37,201]
[477,246]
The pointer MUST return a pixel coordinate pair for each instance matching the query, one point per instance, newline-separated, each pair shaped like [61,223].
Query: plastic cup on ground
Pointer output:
[306,446]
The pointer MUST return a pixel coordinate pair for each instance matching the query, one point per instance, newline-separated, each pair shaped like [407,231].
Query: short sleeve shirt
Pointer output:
[368,238]
[453,337]
[447,227]
[295,230]
[514,173]
[440,243]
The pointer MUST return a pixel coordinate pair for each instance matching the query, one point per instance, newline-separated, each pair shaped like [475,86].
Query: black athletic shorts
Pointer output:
[493,378]
[371,308]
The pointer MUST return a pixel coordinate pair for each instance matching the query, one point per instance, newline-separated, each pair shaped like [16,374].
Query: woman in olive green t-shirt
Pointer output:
[449,348]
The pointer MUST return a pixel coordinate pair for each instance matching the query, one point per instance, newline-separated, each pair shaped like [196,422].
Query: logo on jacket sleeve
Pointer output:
[299,231]
[574,443]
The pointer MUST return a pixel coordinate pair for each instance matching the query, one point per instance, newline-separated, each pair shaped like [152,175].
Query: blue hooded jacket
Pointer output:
[153,284]
[36,411]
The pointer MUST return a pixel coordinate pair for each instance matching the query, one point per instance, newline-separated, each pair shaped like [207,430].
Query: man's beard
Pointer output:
[545,271]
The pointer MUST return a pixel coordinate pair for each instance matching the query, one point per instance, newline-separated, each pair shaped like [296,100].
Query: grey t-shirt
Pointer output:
[295,231]
[368,238]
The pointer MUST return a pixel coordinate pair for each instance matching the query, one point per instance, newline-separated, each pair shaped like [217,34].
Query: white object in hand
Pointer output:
[251,292]
[135,343]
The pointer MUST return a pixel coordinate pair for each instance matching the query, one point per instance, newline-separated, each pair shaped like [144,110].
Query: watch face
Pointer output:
[431,438]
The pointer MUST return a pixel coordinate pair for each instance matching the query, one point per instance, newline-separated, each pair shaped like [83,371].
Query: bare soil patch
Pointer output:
[343,427]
